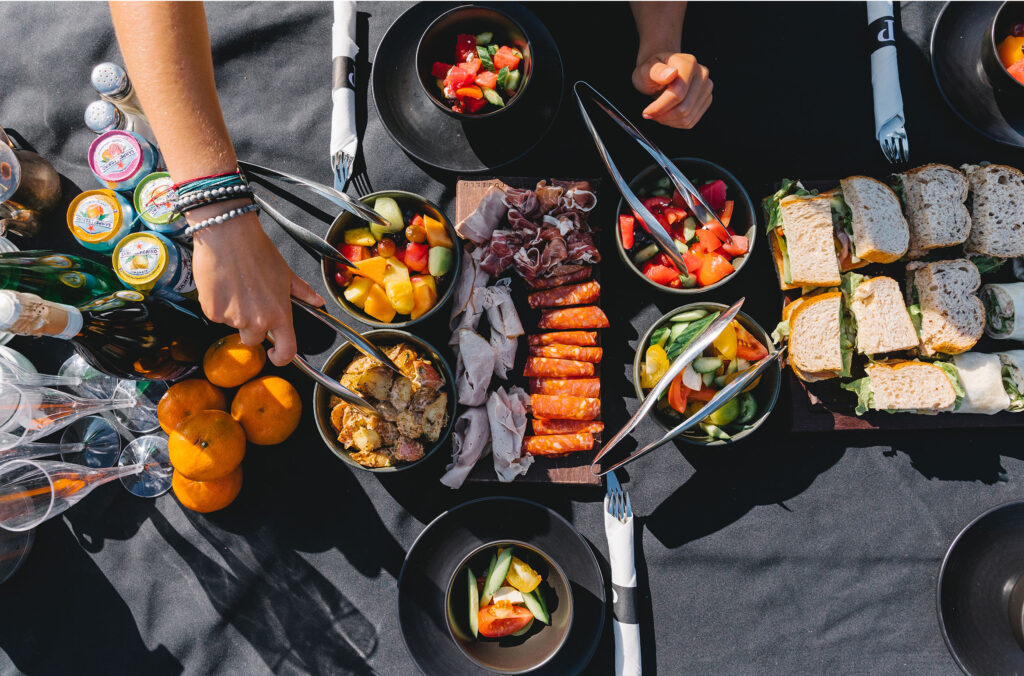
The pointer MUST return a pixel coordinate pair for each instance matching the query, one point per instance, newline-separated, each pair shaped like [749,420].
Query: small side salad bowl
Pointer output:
[438,44]
[740,416]
[723,192]
[403,208]
[531,646]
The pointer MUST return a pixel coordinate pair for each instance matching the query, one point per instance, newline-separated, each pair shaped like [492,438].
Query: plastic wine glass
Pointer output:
[140,419]
[92,383]
[30,413]
[91,441]
[32,491]
[11,372]
[150,453]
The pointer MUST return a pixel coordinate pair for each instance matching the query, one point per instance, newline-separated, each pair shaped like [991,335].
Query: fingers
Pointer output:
[687,95]
[303,291]
[652,75]
[284,343]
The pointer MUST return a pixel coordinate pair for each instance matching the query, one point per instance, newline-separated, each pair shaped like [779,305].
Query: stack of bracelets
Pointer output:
[206,190]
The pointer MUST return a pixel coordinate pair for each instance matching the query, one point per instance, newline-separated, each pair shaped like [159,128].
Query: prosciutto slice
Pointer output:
[499,254]
[473,367]
[485,219]
[522,200]
[471,440]
[506,412]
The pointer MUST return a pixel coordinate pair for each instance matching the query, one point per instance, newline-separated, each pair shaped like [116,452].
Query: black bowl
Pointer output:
[1006,86]
[743,221]
[336,236]
[511,654]
[438,44]
[341,358]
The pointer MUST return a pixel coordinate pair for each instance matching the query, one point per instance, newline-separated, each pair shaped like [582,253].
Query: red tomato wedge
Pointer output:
[458,77]
[677,199]
[472,67]
[439,69]
[473,105]
[693,261]
[748,347]
[662,274]
[725,215]
[714,194]
[627,224]
[502,618]
[714,268]
[505,57]
[703,394]
[707,239]
[677,393]
[739,246]
[487,79]
[674,215]
[465,47]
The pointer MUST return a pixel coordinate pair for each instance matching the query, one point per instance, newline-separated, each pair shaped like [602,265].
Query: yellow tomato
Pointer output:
[655,366]
[725,343]
[521,576]
[1010,51]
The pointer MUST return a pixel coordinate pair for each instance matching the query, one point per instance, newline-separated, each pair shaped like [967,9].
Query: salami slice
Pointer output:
[565,338]
[564,407]
[543,367]
[574,387]
[557,444]
[542,426]
[577,352]
[585,317]
[563,296]
[560,280]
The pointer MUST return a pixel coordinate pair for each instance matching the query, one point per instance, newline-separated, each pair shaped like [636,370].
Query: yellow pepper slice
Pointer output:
[656,364]
[521,576]
[725,343]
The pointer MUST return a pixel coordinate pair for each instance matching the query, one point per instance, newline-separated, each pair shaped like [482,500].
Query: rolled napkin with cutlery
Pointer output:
[344,138]
[625,606]
[885,77]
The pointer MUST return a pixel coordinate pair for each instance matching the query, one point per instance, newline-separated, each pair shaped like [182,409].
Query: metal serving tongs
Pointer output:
[691,352]
[694,200]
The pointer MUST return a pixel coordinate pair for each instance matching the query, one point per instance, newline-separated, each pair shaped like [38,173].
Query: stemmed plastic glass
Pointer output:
[142,418]
[30,413]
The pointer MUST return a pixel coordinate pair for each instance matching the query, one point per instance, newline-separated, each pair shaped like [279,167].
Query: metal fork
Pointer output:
[895,147]
[619,505]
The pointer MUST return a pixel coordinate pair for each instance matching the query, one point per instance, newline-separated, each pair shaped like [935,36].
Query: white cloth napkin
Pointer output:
[343,55]
[625,627]
[885,76]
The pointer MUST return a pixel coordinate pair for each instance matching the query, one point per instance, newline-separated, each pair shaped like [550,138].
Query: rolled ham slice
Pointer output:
[473,367]
[589,388]
[471,440]
[982,380]
[565,338]
[542,426]
[585,317]
[505,325]
[563,296]
[466,301]
[1004,310]
[542,367]
[506,412]
[558,444]
[577,352]
[564,407]
[485,219]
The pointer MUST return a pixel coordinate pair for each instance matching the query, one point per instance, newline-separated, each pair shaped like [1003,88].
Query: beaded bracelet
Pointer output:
[216,220]
[202,198]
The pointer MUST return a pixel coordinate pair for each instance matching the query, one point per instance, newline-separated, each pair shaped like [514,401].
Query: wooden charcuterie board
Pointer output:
[574,468]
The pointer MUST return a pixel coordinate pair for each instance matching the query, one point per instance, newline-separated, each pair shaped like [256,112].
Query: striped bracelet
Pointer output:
[216,220]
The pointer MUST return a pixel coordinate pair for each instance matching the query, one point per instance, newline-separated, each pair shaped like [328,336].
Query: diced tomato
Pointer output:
[662,274]
[674,215]
[416,256]
[656,205]
[471,66]
[677,199]
[662,259]
[725,215]
[693,261]
[502,619]
[457,78]
[465,47]
[748,347]
[677,393]
[354,252]
[473,105]
[487,79]
[1017,71]
[714,194]
[505,58]
[626,226]
[440,70]
[697,249]
[739,246]
[703,394]
[472,92]
[707,239]
[714,268]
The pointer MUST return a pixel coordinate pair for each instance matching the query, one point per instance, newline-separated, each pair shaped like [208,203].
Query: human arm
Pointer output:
[681,85]
[243,280]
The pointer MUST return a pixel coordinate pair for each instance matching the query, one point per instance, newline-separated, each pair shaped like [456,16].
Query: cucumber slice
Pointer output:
[512,81]
[689,282]
[677,330]
[493,97]
[681,246]
[660,337]
[529,625]
[715,432]
[388,208]
[663,183]
[707,378]
[719,382]
[497,576]
[689,228]
[706,364]
[490,566]
[645,254]
[536,607]
[484,38]
[689,316]
[474,603]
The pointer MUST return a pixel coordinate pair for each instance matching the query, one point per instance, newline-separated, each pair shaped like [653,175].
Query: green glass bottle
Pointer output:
[61,278]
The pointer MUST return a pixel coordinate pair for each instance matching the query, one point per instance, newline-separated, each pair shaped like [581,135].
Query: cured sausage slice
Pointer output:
[577,352]
[585,317]
[565,338]
[574,387]
[564,296]
[556,407]
[557,444]
[543,367]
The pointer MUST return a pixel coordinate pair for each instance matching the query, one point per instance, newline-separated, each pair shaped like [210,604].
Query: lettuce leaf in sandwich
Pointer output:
[954,379]
[865,396]
[773,219]
[1012,391]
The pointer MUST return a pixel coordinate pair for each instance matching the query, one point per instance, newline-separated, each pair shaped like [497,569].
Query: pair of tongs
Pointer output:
[691,352]
[694,200]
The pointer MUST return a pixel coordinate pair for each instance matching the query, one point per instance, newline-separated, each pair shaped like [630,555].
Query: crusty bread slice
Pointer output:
[807,222]
[934,196]
[952,315]
[880,232]
[997,211]
[910,386]
[815,339]
[883,323]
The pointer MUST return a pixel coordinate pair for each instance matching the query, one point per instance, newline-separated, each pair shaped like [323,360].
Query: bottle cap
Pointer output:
[95,216]
[109,79]
[154,198]
[101,116]
[140,259]
[10,172]
[115,156]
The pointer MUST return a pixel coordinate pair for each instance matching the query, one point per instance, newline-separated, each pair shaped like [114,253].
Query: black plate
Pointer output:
[975,581]
[956,44]
[427,133]
[449,538]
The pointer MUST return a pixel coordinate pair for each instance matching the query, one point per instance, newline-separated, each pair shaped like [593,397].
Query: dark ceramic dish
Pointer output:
[743,222]
[341,358]
[438,44]
[407,201]
[511,654]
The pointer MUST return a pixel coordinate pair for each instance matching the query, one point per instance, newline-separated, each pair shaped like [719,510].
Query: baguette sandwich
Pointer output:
[870,220]
[908,386]
[933,199]
[820,336]
[882,321]
[941,299]
[997,211]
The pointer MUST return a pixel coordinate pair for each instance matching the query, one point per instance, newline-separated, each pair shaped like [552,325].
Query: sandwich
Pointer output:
[820,336]
[997,211]
[933,199]
[941,300]
[981,376]
[1001,302]
[869,216]
[1012,362]
[801,232]
[907,386]
[882,321]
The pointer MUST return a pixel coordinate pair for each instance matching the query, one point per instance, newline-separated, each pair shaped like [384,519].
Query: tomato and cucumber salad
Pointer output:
[400,269]
[507,600]
[707,249]
[484,77]
[733,352]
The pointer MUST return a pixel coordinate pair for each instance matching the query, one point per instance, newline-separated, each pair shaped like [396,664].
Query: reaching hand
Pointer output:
[244,282]
[681,85]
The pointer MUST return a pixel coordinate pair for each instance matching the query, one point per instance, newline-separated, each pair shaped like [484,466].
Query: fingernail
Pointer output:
[665,71]
[647,115]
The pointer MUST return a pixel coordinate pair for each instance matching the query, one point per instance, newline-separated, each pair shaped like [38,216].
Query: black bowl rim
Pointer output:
[752,230]
[474,116]
[995,45]
[322,426]
[361,316]
[942,574]
[700,304]
[552,564]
